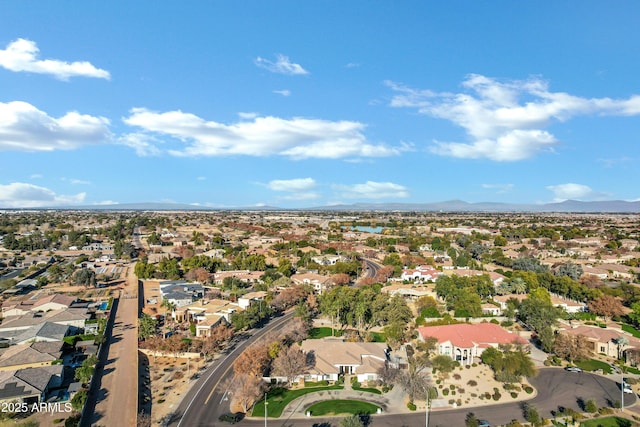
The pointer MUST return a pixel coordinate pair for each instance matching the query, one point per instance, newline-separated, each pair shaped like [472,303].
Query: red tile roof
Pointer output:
[466,335]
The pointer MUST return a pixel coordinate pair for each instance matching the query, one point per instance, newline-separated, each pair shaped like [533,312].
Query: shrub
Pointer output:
[496,396]
[460,390]
[474,364]
[459,402]
[472,383]
[591,406]
[445,392]
[411,406]
[456,377]
[487,395]
[451,401]
[528,389]
[605,411]
[178,375]
[514,395]
[452,387]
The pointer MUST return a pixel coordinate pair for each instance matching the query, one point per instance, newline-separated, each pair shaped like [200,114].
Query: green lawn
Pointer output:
[278,398]
[633,331]
[607,422]
[378,336]
[593,365]
[366,389]
[340,407]
[317,333]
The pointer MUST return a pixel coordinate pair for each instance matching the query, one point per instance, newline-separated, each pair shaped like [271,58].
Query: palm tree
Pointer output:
[622,342]
[518,286]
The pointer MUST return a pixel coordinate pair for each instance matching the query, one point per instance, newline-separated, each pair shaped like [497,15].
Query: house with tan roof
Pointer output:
[603,340]
[320,283]
[334,357]
[465,342]
[30,355]
[409,291]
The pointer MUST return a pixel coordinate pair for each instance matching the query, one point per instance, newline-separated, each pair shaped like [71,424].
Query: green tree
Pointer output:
[352,421]
[85,371]
[146,326]
[285,267]
[78,400]
[471,420]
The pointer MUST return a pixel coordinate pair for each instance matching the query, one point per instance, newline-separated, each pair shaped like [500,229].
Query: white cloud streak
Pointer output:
[21,55]
[297,184]
[372,190]
[283,92]
[572,191]
[300,188]
[282,65]
[505,121]
[25,128]
[22,195]
[297,138]
[500,188]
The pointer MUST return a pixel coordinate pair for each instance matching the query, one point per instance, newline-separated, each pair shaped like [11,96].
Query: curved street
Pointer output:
[555,388]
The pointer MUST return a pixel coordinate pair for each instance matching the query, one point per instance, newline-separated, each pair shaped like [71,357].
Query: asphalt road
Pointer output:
[370,268]
[208,398]
[555,386]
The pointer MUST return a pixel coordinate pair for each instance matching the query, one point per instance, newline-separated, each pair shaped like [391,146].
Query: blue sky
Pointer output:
[301,104]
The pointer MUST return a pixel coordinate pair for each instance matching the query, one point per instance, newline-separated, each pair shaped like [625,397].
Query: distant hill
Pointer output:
[611,206]
[618,206]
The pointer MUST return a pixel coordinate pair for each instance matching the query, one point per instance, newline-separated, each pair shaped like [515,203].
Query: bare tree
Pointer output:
[290,363]
[606,306]
[246,390]
[415,381]
[252,361]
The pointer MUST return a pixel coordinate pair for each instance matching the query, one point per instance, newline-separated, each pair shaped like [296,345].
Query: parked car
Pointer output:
[484,423]
[231,418]
[573,369]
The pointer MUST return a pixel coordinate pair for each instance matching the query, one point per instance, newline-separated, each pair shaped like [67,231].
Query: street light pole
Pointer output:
[426,409]
[265,409]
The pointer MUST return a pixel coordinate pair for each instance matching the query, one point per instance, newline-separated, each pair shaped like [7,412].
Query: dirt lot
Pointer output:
[169,379]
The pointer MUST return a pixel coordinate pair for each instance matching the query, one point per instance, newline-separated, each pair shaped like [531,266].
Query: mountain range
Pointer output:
[610,206]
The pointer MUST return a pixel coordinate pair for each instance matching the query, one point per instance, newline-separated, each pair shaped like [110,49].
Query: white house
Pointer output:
[334,357]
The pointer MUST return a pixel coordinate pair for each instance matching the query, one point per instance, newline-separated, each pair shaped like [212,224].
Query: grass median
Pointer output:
[279,398]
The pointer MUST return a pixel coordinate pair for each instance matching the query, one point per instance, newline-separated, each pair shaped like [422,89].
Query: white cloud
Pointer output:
[501,188]
[300,188]
[372,190]
[298,184]
[248,115]
[106,202]
[352,65]
[22,55]
[297,138]
[505,121]
[76,181]
[22,195]
[282,65]
[25,128]
[571,191]
[143,144]
[201,178]
[36,176]
[283,92]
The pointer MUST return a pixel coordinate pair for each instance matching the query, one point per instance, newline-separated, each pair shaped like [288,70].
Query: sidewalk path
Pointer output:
[118,397]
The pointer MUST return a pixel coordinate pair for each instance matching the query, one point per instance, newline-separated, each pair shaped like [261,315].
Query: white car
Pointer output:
[572,369]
